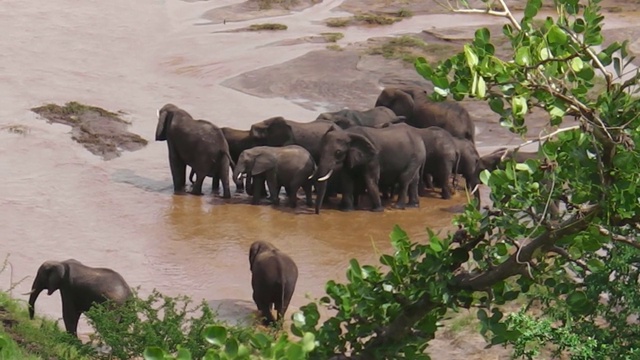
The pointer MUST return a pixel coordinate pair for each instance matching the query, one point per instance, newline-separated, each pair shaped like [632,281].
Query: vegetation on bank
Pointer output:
[267,26]
[369,19]
[561,235]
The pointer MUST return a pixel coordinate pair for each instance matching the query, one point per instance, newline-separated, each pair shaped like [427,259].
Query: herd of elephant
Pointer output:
[403,145]
[397,147]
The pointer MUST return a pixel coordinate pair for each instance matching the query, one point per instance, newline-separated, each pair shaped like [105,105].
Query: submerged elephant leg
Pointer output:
[274,188]
[414,200]
[308,193]
[258,184]
[442,177]
[346,204]
[224,177]
[197,186]
[371,181]
[178,172]
[292,192]
[215,185]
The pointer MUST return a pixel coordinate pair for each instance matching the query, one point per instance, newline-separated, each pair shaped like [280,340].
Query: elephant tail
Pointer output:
[231,163]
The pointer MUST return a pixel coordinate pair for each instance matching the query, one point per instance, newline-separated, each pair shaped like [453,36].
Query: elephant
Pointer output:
[492,161]
[80,287]
[276,131]
[347,118]
[420,112]
[273,279]
[197,143]
[469,164]
[238,141]
[381,156]
[290,166]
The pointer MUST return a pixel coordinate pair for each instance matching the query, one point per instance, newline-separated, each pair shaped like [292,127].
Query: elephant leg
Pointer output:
[224,177]
[293,195]
[178,172]
[308,193]
[443,174]
[70,316]
[371,181]
[215,185]
[274,188]
[346,204]
[414,200]
[197,186]
[265,309]
[258,184]
[406,180]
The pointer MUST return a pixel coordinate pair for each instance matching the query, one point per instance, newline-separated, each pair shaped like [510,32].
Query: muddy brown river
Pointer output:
[58,201]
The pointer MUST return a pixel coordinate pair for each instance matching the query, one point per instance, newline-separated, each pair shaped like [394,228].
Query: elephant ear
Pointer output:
[57,272]
[279,133]
[403,103]
[263,162]
[343,122]
[361,150]
[165,115]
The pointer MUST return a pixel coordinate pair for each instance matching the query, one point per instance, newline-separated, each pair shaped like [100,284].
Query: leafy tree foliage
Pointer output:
[562,231]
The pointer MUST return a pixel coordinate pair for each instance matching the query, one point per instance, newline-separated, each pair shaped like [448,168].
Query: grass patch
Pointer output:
[375,19]
[34,339]
[338,22]
[268,4]
[409,48]
[334,47]
[332,36]
[404,13]
[74,108]
[267,26]
[16,129]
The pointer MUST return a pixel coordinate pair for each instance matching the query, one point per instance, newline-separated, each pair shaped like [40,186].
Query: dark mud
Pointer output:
[101,132]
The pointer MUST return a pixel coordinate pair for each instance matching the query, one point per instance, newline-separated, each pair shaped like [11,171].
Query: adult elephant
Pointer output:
[389,155]
[238,141]
[273,279]
[420,112]
[290,166]
[197,143]
[374,117]
[80,287]
[277,131]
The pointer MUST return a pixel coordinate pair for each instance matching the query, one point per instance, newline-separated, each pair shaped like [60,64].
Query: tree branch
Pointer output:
[619,238]
[517,262]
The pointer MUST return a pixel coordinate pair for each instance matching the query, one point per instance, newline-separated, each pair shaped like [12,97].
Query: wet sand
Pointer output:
[59,201]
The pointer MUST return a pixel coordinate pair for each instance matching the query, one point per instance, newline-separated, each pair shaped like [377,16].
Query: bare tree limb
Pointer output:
[619,238]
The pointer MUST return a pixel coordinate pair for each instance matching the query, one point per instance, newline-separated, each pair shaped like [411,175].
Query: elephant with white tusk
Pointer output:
[80,287]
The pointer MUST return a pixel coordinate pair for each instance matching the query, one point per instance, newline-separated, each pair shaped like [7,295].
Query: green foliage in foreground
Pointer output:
[22,338]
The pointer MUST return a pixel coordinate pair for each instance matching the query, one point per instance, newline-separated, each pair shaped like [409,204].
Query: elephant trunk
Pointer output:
[36,289]
[321,190]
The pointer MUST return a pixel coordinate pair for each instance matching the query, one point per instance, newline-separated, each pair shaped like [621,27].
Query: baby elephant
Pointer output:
[289,166]
[80,286]
[273,279]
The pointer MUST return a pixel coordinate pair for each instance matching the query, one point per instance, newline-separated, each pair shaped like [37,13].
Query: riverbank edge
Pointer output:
[40,338]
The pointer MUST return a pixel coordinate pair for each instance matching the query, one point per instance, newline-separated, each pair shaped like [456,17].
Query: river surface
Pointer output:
[58,201]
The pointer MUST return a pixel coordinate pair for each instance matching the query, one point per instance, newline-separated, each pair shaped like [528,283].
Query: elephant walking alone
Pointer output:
[80,287]
[197,143]
[273,279]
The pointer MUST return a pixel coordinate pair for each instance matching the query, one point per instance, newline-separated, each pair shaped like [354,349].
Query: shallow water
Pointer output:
[58,201]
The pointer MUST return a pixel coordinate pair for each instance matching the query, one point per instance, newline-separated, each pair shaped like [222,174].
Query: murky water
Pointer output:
[58,201]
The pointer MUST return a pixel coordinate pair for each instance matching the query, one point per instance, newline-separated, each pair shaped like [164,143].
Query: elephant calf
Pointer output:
[273,279]
[290,166]
[80,287]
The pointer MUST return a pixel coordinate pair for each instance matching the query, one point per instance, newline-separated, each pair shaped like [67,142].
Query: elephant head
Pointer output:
[341,149]
[165,115]
[399,101]
[51,276]
[258,247]
[254,162]
[273,132]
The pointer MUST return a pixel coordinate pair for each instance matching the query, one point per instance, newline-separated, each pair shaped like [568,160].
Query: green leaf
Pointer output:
[435,245]
[470,55]
[523,56]
[215,335]
[308,342]
[153,353]
[481,88]
[519,106]
[483,35]
[295,352]
[183,354]
[577,64]
[231,347]
[556,36]
[484,177]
